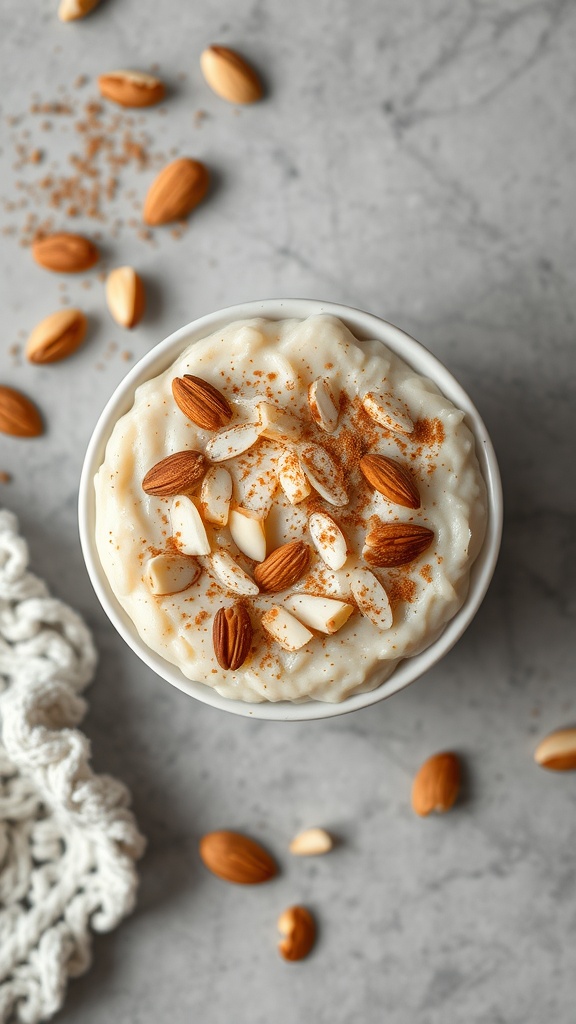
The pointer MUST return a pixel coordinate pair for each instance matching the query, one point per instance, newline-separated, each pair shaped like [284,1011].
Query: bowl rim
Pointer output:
[363,325]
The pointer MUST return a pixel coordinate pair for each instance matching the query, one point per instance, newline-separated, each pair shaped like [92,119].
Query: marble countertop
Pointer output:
[416,160]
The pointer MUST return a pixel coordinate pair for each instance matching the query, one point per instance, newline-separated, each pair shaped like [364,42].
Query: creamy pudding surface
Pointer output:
[286,512]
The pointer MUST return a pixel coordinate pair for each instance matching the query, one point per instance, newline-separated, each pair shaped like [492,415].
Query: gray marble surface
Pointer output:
[417,160]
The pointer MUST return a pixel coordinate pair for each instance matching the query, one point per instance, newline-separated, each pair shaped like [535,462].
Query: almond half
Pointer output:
[324,474]
[65,253]
[283,567]
[391,479]
[297,926]
[236,858]
[311,843]
[176,474]
[201,402]
[325,614]
[56,336]
[285,628]
[436,785]
[388,412]
[393,544]
[131,88]
[19,417]
[171,574]
[125,296]
[557,752]
[232,636]
[175,191]
[229,75]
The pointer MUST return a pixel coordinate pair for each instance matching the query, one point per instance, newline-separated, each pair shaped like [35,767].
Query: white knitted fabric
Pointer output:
[68,842]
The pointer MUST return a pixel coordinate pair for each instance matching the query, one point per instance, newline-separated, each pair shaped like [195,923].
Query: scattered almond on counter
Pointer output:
[125,296]
[70,10]
[557,751]
[236,858]
[19,417]
[229,75]
[56,336]
[131,88]
[311,843]
[436,785]
[175,191]
[65,253]
[297,926]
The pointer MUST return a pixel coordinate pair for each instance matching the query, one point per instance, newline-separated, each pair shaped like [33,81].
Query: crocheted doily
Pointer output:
[68,842]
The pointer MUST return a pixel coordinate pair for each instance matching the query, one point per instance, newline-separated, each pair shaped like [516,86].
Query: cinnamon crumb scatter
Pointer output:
[429,432]
[401,588]
[201,617]
[426,573]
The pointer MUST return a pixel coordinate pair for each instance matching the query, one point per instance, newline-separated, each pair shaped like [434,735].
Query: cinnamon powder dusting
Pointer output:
[401,588]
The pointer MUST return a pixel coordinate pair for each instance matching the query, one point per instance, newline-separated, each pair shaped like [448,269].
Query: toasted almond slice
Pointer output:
[277,424]
[557,751]
[188,530]
[292,477]
[231,575]
[215,495]
[169,574]
[248,534]
[230,443]
[256,486]
[322,405]
[388,412]
[311,843]
[324,474]
[286,630]
[328,540]
[322,613]
[372,599]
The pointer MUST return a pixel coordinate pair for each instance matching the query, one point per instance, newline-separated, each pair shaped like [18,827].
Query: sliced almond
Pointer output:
[19,417]
[57,336]
[329,540]
[236,858]
[325,614]
[256,486]
[229,75]
[436,785]
[371,598]
[392,479]
[292,478]
[248,534]
[201,402]
[297,926]
[311,843]
[283,567]
[231,576]
[285,628]
[65,253]
[322,405]
[324,474]
[188,530]
[557,752]
[388,412]
[228,444]
[215,495]
[171,574]
[393,544]
[125,296]
[131,88]
[277,424]
[232,636]
[176,474]
[175,191]
[70,10]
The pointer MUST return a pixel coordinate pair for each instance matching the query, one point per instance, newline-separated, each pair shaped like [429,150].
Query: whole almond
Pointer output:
[176,474]
[393,544]
[70,10]
[125,296]
[230,76]
[232,636]
[56,336]
[284,567]
[436,785]
[176,190]
[201,402]
[235,858]
[297,926]
[65,253]
[131,88]
[391,479]
[557,752]
[18,415]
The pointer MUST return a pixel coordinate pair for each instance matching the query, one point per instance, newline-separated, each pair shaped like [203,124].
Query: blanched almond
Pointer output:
[292,478]
[557,752]
[329,540]
[324,474]
[231,576]
[188,530]
[131,88]
[232,442]
[285,628]
[229,75]
[125,296]
[215,495]
[388,412]
[371,598]
[248,534]
[311,843]
[170,574]
[325,614]
[322,405]
[277,424]
[57,336]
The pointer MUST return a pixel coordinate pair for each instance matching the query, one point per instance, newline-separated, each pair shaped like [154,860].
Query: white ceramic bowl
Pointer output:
[362,325]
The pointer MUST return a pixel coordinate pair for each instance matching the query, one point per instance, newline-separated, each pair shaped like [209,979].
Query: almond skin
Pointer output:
[230,76]
[19,417]
[557,751]
[232,636]
[393,544]
[125,296]
[235,858]
[284,567]
[56,336]
[436,785]
[297,926]
[70,10]
[131,88]
[65,253]
[176,474]
[201,402]
[391,479]
[174,193]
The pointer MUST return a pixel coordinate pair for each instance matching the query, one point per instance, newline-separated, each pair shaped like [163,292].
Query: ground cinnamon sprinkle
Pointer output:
[429,432]
[401,588]
[426,573]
